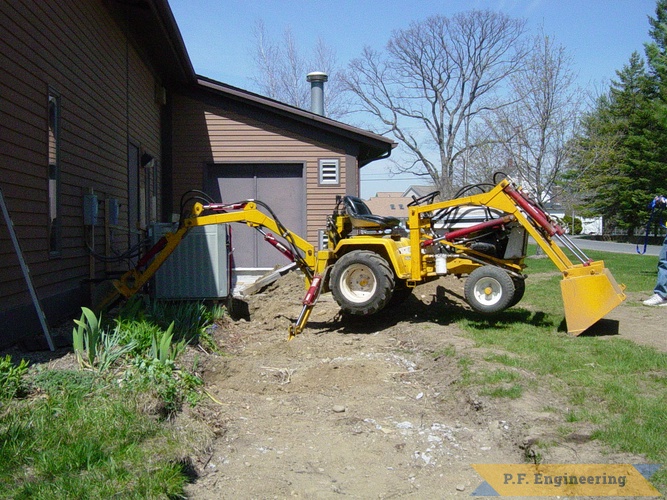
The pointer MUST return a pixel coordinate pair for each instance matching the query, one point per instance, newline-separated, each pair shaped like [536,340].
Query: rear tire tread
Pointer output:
[384,276]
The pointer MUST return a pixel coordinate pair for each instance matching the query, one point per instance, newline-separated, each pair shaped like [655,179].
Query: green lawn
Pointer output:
[613,383]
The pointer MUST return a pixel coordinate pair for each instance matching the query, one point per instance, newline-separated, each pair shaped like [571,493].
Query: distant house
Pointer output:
[389,204]
[105,126]
[418,191]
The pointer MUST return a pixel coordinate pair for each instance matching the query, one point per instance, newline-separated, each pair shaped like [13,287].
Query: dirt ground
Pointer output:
[372,409]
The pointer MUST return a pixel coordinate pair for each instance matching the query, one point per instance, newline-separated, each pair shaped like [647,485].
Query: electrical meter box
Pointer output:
[199,266]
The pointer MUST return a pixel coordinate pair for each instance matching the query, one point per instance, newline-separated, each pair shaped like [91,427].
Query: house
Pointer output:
[105,125]
[391,204]
[241,145]
[417,191]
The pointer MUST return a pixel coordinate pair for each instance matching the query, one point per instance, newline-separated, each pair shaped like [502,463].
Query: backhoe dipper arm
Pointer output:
[133,280]
[249,214]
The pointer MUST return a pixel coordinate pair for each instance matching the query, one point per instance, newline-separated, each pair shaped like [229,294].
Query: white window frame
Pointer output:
[323,239]
[329,172]
[53,160]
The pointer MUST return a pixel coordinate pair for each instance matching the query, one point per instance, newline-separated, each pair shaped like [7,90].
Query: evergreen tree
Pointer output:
[619,160]
[656,51]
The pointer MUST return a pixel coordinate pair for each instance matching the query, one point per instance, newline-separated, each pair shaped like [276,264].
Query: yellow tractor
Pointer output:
[371,260]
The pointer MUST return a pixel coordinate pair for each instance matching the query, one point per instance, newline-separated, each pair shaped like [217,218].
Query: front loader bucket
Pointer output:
[589,293]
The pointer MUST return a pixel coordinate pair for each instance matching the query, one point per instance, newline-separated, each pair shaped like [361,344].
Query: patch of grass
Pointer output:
[486,377]
[495,383]
[610,382]
[446,352]
[78,436]
[503,359]
[465,362]
[637,272]
[515,391]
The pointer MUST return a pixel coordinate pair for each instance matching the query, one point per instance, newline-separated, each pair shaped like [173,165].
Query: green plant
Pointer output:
[163,350]
[138,331]
[188,318]
[86,337]
[172,385]
[96,347]
[112,349]
[574,229]
[140,319]
[11,377]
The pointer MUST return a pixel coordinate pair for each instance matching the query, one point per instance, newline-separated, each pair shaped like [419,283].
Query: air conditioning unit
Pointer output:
[198,268]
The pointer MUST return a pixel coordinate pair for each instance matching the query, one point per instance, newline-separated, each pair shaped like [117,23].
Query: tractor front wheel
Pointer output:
[489,290]
[362,282]
[519,290]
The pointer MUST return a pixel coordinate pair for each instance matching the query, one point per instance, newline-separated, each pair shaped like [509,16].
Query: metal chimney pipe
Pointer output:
[317,79]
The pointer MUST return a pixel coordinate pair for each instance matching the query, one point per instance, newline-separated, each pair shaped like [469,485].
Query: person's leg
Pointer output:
[661,282]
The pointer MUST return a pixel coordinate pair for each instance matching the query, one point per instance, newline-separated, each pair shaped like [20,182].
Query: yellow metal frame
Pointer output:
[497,198]
[588,289]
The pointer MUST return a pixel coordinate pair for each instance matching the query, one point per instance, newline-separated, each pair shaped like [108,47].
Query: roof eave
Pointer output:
[151,25]
[372,146]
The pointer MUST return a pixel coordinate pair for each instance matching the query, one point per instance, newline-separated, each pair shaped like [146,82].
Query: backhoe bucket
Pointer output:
[589,293]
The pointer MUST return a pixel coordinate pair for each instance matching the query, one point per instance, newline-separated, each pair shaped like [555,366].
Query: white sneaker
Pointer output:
[655,300]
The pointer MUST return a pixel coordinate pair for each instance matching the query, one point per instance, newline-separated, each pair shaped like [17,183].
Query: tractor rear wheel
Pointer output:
[489,290]
[361,282]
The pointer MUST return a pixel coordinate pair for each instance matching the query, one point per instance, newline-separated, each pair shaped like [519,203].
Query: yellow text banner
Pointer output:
[566,480]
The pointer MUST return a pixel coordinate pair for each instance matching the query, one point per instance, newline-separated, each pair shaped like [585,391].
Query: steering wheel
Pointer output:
[427,199]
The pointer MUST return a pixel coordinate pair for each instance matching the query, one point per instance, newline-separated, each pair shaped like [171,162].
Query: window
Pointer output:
[54,172]
[329,172]
[323,239]
[392,206]
[400,205]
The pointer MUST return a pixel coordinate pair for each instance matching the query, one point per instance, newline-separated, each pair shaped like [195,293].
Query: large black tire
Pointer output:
[519,290]
[489,290]
[361,282]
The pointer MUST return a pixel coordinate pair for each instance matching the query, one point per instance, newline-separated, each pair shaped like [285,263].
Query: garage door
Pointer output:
[280,186]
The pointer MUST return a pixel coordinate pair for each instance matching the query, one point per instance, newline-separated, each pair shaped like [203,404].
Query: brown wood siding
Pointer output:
[106,93]
[204,134]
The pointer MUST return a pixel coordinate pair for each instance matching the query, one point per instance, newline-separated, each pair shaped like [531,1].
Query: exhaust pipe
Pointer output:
[317,79]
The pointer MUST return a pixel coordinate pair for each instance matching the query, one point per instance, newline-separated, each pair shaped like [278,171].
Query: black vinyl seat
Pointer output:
[362,218]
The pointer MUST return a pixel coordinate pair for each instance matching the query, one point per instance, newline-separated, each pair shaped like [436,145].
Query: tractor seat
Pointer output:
[362,218]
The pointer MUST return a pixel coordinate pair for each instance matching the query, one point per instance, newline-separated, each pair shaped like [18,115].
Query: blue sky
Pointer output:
[600,35]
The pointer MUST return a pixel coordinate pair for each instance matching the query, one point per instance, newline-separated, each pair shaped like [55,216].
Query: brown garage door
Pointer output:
[280,186]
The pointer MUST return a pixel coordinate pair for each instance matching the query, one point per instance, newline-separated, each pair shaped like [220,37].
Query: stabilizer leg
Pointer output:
[309,302]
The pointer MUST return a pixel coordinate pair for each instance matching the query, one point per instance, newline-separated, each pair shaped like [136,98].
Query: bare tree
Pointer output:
[487,158]
[436,79]
[534,132]
[281,70]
